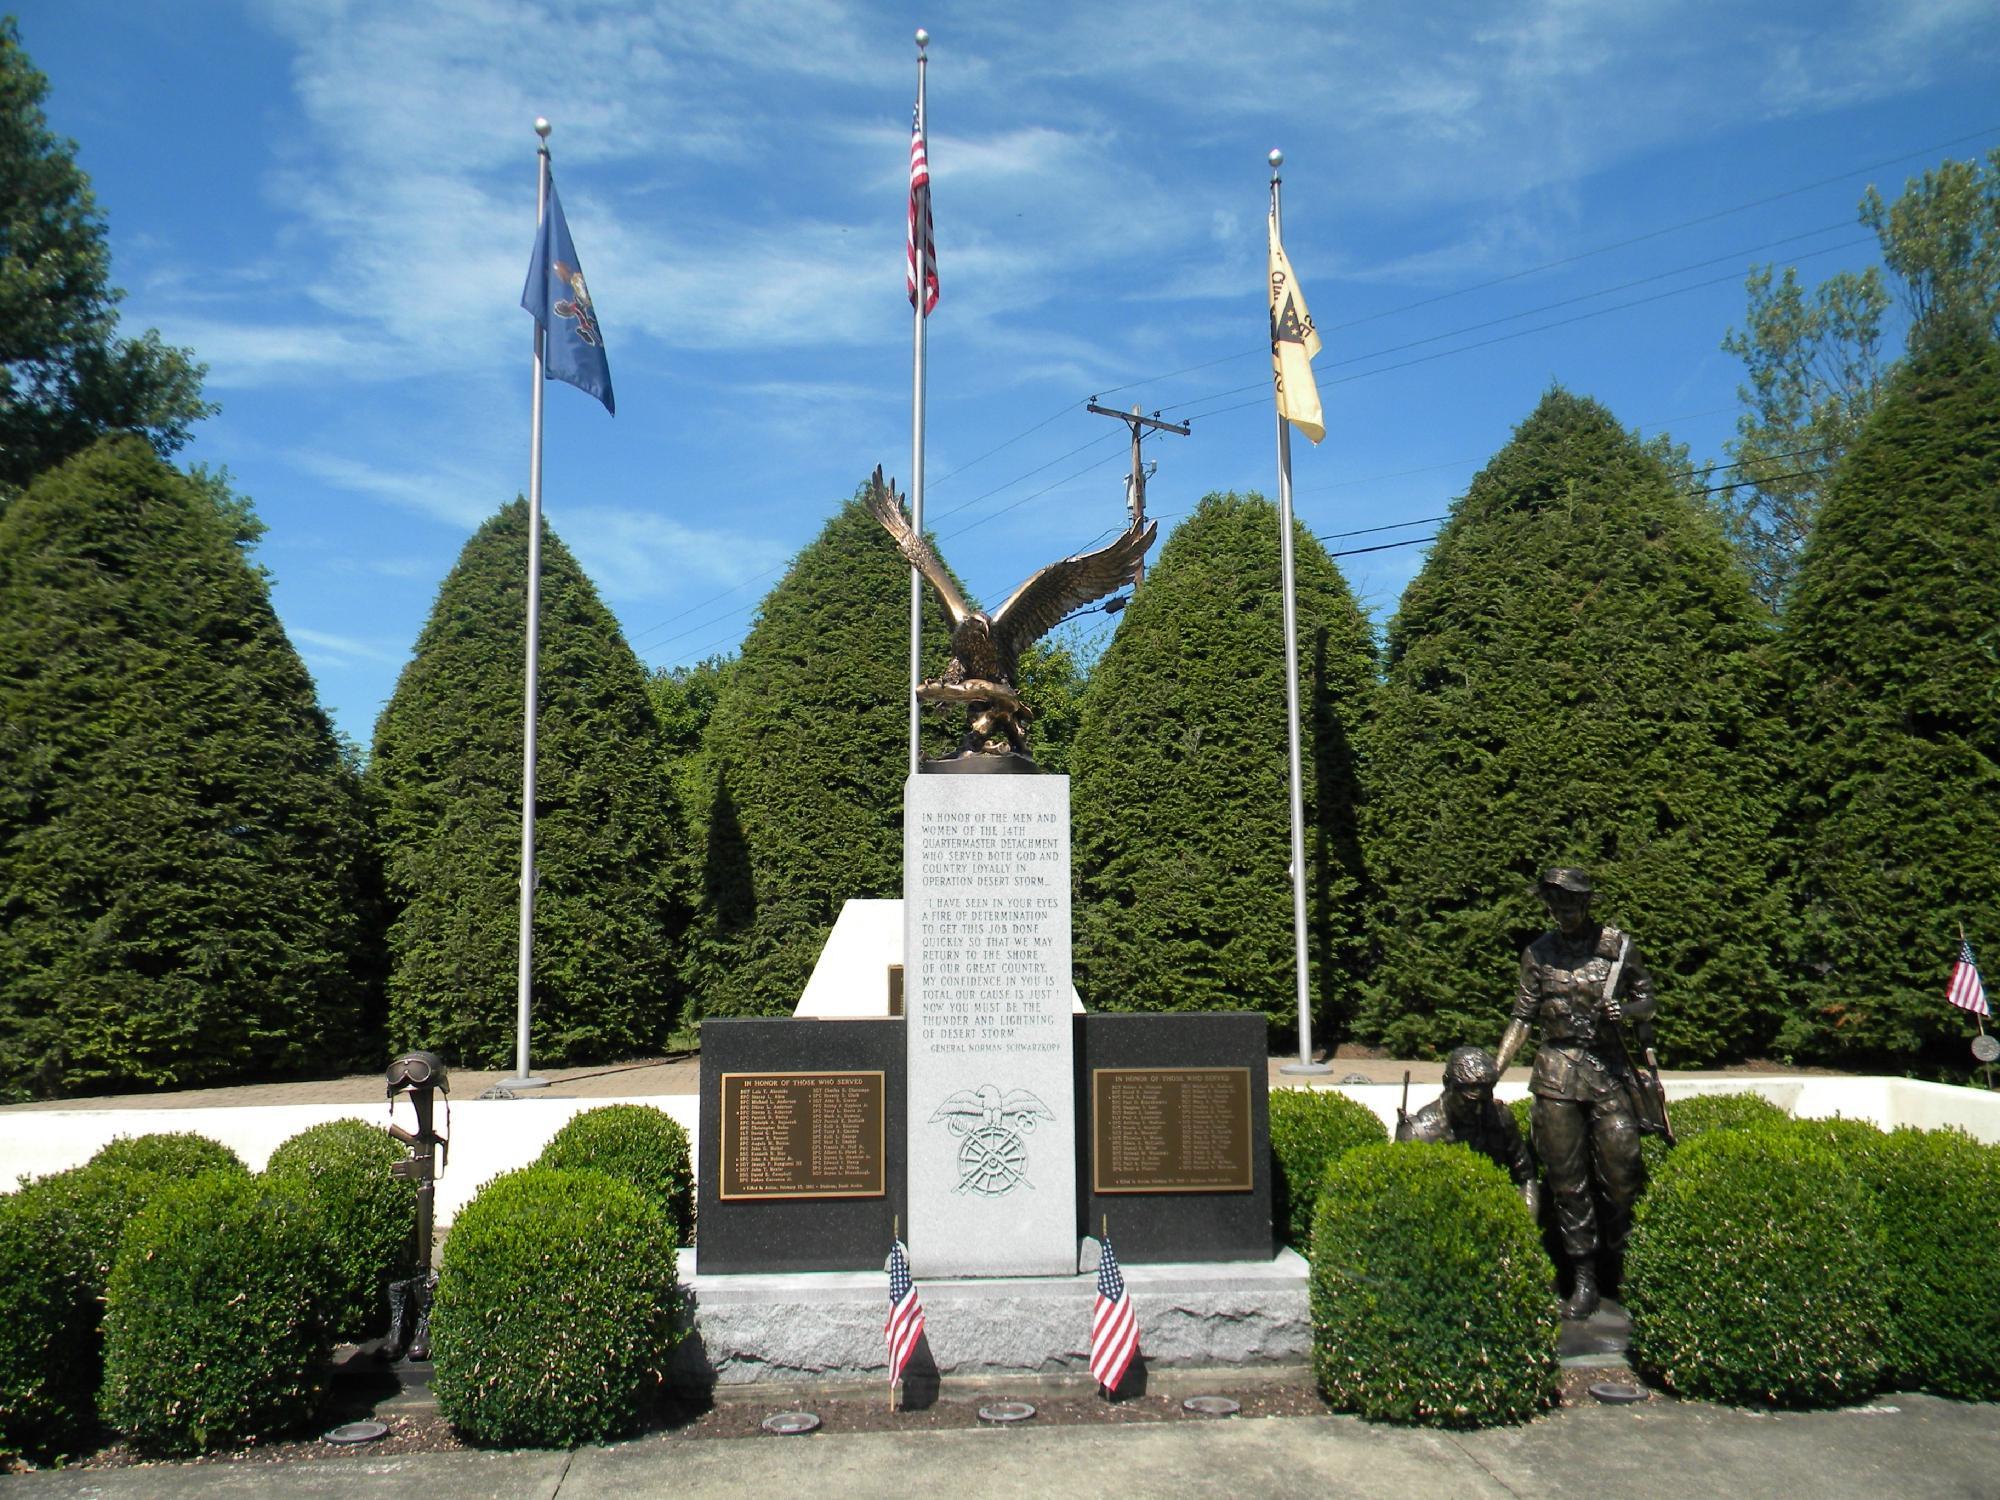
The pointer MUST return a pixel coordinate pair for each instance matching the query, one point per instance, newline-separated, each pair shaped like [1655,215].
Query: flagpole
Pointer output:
[920,229]
[524,974]
[1305,1064]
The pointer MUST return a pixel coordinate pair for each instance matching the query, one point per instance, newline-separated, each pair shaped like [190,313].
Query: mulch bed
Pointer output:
[415,1426]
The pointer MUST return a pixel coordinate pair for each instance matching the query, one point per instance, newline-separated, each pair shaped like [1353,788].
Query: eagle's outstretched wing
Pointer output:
[1023,1109]
[887,507]
[1068,585]
[959,1106]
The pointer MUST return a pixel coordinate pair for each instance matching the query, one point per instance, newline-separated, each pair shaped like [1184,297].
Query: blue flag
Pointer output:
[573,344]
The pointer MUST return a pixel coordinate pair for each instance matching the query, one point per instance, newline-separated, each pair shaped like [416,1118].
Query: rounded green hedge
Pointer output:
[1432,1301]
[58,1242]
[637,1144]
[213,1334]
[50,1357]
[1698,1114]
[369,1218]
[176,1154]
[1310,1130]
[1938,1192]
[556,1310]
[1755,1272]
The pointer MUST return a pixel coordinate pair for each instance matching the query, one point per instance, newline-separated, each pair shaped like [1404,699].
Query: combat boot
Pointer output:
[1583,1293]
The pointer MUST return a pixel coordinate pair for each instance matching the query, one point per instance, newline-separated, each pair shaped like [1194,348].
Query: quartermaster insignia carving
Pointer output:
[992,1130]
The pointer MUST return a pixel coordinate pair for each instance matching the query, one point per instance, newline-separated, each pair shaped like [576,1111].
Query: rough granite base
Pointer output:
[827,1325]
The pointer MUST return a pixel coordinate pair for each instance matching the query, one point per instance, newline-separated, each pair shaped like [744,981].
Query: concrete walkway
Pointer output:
[1899,1446]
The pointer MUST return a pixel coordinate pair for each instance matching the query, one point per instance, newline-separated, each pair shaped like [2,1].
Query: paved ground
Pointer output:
[672,1075]
[1901,1445]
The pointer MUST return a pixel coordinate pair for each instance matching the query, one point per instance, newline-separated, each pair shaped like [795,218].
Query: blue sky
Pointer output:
[332,203]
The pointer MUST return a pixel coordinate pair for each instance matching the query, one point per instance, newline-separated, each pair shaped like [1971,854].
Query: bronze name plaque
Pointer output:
[1170,1130]
[803,1135]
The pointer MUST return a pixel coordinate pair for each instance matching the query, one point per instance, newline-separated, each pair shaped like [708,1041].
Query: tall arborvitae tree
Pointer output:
[185,888]
[1579,675]
[800,799]
[1893,640]
[1181,813]
[446,781]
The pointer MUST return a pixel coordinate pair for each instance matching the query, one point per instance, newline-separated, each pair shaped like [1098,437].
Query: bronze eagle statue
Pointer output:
[986,646]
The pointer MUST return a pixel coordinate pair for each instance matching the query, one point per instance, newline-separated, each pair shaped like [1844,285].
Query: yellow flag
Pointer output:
[1294,342]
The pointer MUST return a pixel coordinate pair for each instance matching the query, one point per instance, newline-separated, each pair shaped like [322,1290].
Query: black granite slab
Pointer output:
[1147,1228]
[797,1234]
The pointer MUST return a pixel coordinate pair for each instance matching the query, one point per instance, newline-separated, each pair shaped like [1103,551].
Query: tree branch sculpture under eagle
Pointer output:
[986,646]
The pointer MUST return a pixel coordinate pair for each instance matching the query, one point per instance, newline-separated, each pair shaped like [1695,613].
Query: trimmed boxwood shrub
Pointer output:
[1701,1113]
[49,1352]
[1432,1301]
[1310,1130]
[637,1144]
[59,1237]
[176,1154]
[556,1310]
[1755,1272]
[368,1217]
[212,1328]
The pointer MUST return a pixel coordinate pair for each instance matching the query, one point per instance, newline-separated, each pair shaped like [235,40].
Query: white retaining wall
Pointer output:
[491,1136]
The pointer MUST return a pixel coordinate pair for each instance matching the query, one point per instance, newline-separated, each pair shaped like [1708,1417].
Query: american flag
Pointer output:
[906,1312]
[920,203]
[1966,992]
[1114,1329]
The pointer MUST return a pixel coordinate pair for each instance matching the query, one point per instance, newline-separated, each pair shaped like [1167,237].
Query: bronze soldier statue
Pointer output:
[1466,1113]
[1578,984]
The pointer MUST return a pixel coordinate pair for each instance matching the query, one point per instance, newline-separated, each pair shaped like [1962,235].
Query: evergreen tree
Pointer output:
[1893,643]
[185,893]
[1579,675]
[1181,813]
[446,779]
[800,799]
[65,375]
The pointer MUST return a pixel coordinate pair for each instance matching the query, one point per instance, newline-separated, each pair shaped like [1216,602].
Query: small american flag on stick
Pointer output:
[1966,991]
[920,215]
[1114,1328]
[906,1312]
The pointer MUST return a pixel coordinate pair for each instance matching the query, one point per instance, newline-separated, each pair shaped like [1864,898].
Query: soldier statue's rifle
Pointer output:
[1647,1093]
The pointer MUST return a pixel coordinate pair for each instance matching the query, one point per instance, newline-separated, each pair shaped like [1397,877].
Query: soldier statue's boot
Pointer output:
[1583,1292]
[398,1337]
[420,1344]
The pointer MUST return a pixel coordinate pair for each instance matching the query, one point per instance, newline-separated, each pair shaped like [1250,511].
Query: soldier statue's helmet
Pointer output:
[1566,878]
[1471,1068]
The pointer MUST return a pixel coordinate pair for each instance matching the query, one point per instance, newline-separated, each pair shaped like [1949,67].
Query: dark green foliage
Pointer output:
[1755,1272]
[637,1144]
[1432,1301]
[50,1353]
[1893,637]
[1053,685]
[1181,816]
[1700,1113]
[213,1333]
[555,1310]
[1939,1195]
[65,376]
[1579,676]
[1311,1129]
[446,780]
[59,1237]
[172,1154]
[185,889]
[368,1218]
[798,797]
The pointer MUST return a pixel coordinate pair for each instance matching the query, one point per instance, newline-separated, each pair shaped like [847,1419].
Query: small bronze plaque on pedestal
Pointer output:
[803,1135]
[1170,1130]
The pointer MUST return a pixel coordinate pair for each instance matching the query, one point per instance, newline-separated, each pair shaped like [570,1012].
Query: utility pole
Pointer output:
[1135,491]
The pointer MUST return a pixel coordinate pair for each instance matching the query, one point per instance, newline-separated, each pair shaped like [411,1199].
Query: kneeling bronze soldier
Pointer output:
[1466,1113]
[1577,984]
